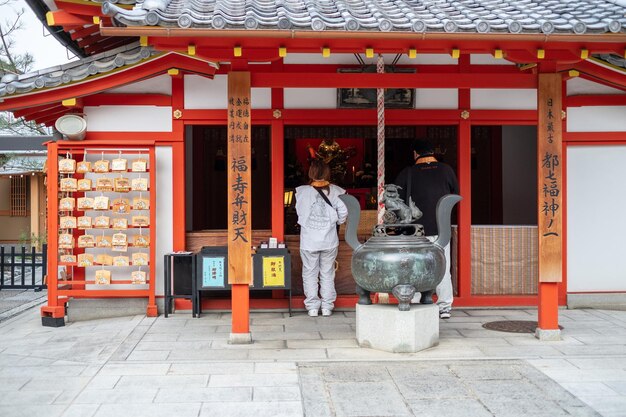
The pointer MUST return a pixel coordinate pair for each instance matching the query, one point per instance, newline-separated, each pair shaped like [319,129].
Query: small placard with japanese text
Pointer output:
[273,271]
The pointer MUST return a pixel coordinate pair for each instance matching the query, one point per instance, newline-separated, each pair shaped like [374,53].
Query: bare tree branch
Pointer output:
[13,61]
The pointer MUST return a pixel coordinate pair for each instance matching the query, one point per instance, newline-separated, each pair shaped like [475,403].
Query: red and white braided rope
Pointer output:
[380,107]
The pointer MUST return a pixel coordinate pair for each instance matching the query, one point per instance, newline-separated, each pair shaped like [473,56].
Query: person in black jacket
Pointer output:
[430,180]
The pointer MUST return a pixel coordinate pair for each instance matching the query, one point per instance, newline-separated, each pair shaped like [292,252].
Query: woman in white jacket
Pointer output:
[319,212]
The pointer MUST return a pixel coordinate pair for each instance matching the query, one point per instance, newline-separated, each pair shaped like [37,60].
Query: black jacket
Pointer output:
[429,182]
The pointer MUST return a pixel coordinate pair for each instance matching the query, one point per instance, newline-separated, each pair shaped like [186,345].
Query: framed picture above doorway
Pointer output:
[365,98]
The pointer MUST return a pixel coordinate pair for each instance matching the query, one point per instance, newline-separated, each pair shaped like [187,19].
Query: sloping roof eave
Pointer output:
[154,65]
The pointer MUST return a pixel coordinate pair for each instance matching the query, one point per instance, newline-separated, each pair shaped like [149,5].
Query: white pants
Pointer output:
[445,294]
[318,274]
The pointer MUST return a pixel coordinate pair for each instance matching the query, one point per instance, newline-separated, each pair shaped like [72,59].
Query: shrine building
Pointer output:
[198,120]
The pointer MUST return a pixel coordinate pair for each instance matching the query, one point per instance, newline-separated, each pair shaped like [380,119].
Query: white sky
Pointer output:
[47,50]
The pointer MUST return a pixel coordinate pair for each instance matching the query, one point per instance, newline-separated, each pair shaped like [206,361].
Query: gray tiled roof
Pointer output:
[618,61]
[74,71]
[478,16]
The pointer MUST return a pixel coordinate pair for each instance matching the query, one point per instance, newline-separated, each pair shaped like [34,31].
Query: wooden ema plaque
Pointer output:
[239,179]
[549,178]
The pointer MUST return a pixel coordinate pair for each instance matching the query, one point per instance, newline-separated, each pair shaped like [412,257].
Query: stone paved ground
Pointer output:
[478,388]
[13,302]
[138,366]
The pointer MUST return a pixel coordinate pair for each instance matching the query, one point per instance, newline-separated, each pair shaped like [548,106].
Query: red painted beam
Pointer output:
[596,100]
[51,117]
[294,80]
[63,18]
[38,109]
[392,42]
[102,44]
[420,69]
[599,71]
[84,9]
[128,100]
[93,39]
[84,32]
[594,138]
[368,116]
[349,301]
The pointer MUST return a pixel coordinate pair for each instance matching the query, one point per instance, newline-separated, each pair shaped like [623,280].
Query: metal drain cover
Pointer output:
[513,326]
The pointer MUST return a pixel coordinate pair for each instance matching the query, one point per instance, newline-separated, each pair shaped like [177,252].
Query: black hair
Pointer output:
[422,147]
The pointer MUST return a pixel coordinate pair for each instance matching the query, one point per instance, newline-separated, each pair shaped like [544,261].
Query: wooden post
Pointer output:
[34,206]
[239,203]
[549,200]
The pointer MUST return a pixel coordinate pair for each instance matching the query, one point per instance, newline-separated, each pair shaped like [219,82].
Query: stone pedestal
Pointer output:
[240,338]
[384,327]
[80,309]
[548,335]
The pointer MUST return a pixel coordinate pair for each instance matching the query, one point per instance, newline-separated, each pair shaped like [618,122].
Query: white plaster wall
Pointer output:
[206,93]
[161,84]
[488,59]
[596,119]
[596,225]
[129,118]
[577,86]
[261,98]
[436,98]
[164,211]
[509,99]
[310,98]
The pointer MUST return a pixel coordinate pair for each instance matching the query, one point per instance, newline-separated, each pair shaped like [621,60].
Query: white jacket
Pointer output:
[318,221]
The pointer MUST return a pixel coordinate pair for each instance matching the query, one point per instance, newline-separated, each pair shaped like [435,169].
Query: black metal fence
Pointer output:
[22,269]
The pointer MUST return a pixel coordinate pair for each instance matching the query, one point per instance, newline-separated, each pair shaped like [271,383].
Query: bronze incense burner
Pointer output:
[398,263]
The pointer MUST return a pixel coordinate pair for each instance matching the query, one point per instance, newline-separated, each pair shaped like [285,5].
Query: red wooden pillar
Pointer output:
[178,162]
[464,254]
[55,310]
[278,163]
[549,200]
[278,179]
[464,170]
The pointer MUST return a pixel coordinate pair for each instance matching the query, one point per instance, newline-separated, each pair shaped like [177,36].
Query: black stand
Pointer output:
[52,322]
[258,270]
[180,271]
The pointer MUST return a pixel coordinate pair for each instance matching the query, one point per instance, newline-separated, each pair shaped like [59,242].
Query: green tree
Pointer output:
[13,61]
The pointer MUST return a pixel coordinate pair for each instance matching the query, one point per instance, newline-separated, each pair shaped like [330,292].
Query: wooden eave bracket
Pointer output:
[63,18]
[72,103]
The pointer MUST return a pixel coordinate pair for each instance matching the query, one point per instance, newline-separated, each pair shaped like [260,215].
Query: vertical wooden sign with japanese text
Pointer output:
[239,179]
[549,178]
